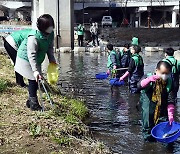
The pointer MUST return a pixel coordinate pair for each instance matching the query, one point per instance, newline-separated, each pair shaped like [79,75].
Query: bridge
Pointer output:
[65,18]
[124,3]
[135,7]
[14,4]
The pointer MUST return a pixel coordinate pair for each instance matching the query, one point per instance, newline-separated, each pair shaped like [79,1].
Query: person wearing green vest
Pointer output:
[124,57]
[156,99]
[113,61]
[11,44]
[175,72]
[80,32]
[135,69]
[31,54]
[135,41]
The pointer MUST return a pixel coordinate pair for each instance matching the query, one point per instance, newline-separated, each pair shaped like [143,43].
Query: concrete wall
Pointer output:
[66,17]
[67,23]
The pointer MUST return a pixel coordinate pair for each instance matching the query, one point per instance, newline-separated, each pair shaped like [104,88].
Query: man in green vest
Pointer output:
[124,57]
[157,98]
[31,54]
[11,44]
[80,32]
[135,70]
[113,61]
[175,64]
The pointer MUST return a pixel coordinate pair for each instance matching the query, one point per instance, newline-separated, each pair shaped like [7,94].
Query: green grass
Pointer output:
[34,129]
[3,85]
[71,119]
[62,140]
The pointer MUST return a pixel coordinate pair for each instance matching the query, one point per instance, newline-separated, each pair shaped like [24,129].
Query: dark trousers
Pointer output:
[95,38]
[80,40]
[32,88]
[13,53]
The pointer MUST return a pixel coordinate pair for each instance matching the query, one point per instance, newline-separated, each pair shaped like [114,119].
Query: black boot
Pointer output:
[28,103]
[33,104]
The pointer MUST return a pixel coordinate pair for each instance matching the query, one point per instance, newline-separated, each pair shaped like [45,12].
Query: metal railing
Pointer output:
[17,0]
[120,1]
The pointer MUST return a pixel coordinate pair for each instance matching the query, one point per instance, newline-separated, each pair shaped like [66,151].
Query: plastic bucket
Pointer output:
[116,82]
[102,75]
[166,133]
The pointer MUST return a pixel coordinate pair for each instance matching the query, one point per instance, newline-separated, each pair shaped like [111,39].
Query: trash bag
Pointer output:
[52,73]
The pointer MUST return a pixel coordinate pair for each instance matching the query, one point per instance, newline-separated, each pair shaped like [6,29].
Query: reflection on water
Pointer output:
[115,117]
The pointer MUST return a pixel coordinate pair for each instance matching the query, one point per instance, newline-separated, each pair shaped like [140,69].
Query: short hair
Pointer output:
[164,63]
[110,47]
[126,45]
[169,51]
[45,21]
[137,48]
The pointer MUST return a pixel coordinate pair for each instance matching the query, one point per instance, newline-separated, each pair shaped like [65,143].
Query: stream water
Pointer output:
[114,117]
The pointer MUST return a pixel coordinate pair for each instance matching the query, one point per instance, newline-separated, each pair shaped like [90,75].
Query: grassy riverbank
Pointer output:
[57,130]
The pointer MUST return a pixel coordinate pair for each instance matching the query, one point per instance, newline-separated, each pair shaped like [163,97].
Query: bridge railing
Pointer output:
[120,1]
[17,0]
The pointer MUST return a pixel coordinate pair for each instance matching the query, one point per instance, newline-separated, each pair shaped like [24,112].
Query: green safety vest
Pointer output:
[174,64]
[80,30]
[137,59]
[109,64]
[20,35]
[44,43]
[135,41]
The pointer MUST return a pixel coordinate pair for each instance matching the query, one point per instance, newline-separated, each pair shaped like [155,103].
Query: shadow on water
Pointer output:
[115,117]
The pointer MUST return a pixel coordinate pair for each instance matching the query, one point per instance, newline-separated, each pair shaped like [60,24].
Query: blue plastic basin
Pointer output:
[102,75]
[163,132]
[116,82]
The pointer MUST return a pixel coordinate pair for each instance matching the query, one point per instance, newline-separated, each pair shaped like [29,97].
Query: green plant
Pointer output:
[3,85]
[34,129]
[61,139]
[78,109]
[71,119]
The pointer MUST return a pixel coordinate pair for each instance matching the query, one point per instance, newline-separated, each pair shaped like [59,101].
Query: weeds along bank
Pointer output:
[58,130]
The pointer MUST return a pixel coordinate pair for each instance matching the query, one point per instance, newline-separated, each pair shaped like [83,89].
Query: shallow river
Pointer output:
[114,118]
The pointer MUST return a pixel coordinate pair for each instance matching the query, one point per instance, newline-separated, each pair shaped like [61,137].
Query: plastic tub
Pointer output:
[166,133]
[116,82]
[102,75]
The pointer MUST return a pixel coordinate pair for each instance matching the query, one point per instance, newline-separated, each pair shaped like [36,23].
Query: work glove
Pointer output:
[108,72]
[37,76]
[114,67]
[53,62]
[146,81]
[124,76]
[153,78]
[170,109]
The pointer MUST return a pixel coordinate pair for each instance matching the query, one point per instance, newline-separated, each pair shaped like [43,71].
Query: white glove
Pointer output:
[37,75]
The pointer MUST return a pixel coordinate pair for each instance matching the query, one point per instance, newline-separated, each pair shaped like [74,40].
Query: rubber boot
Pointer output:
[33,104]
[28,103]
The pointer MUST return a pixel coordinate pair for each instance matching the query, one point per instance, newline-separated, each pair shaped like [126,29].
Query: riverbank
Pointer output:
[148,37]
[57,130]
